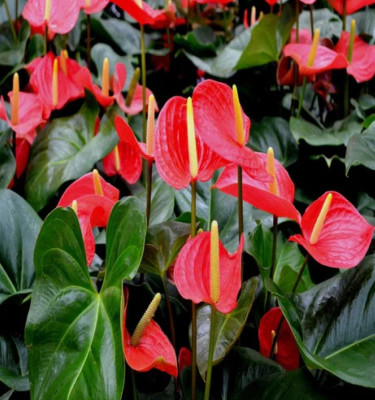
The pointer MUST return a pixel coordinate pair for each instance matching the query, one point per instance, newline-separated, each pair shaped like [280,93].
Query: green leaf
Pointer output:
[12,53]
[288,259]
[13,363]
[200,41]
[361,150]
[7,161]
[292,385]
[340,134]
[334,323]
[267,39]
[329,23]
[275,133]
[73,332]
[163,243]
[18,229]
[66,149]
[228,326]
[7,395]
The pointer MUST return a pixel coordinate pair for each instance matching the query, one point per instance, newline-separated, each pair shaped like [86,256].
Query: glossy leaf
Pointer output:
[333,323]
[13,53]
[66,149]
[361,150]
[163,242]
[70,326]
[200,41]
[228,326]
[19,229]
[329,23]
[275,132]
[7,161]
[288,259]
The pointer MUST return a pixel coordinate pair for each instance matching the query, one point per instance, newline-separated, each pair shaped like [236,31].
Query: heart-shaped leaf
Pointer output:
[361,150]
[334,323]
[74,332]
[19,228]
[66,150]
[228,326]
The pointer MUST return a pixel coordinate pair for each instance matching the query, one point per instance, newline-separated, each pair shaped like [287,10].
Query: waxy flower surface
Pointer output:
[350,5]
[286,351]
[93,6]
[192,273]
[345,235]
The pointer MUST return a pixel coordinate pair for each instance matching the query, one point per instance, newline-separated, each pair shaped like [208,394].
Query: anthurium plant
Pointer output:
[187,202]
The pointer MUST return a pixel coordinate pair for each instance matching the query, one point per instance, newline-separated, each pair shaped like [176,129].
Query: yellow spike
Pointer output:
[145,320]
[261,15]
[351,41]
[273,186]
[238,117]
[55,87]
[132,86]
[150,125]
[75,206]
[105,77]
[167,4]
[47,10]
[87,3]
[214,263]
[273,334]
[314,47]
[320,220]
[117,159]
[139,3]
[63,57]
[97,184]
[253,15]
[15,104]
[192,143]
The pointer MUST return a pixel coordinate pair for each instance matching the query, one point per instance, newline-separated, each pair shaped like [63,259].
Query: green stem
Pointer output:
[148,191]
[346,96]
[277,333]
[14,34]
[14,154]
[134,386]
[16,9]
[193,306]
[45,47]
[302,95]
[295,90]
[143,67]
[312,20]
[273,257]
[211,350]
[344,13]
[88,39]
[240,201]
[297,20]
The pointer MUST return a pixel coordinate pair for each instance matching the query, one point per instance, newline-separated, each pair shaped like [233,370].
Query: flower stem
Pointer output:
[344,13]
[312,20]
[193,306]
[273,257]
[88,39]
[346,96]
[45,49]
[14,154]
[302,95]
[14,34]
[240,201]
[211,350]
[148,191]
[300,273]
[134,386]
[143,67]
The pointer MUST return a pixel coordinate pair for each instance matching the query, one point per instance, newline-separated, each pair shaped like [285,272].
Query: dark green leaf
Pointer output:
[288,259]
[7,161]
[228,326]
[200,41]
[361,150]
[12,53]
[275,133]
[163,242]
[7,395]
[19,228]
[334,324]
[66,149]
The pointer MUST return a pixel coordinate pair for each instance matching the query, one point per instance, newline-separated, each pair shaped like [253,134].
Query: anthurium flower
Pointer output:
[351,5]
[172,157]
[275,197]
[286,351]
[93,6]
[148,347]
[218,123]
[43,77]
[184,359]
[22,157]
[59,16]
[362,64]
[334,232]
[94,199]
[198,279]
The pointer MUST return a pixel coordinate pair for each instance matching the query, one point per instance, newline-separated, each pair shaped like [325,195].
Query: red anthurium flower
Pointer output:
[95,199]
[58,16]
[42,77]
[216,120]
[29,115]
[286,351]
[351,5]
[148,347]
[275,199]
[184,359]
[22,157]
[136,105]
[194,277]
[334,232]
[93,6]
[362,64]
[172,148]
[325,58]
